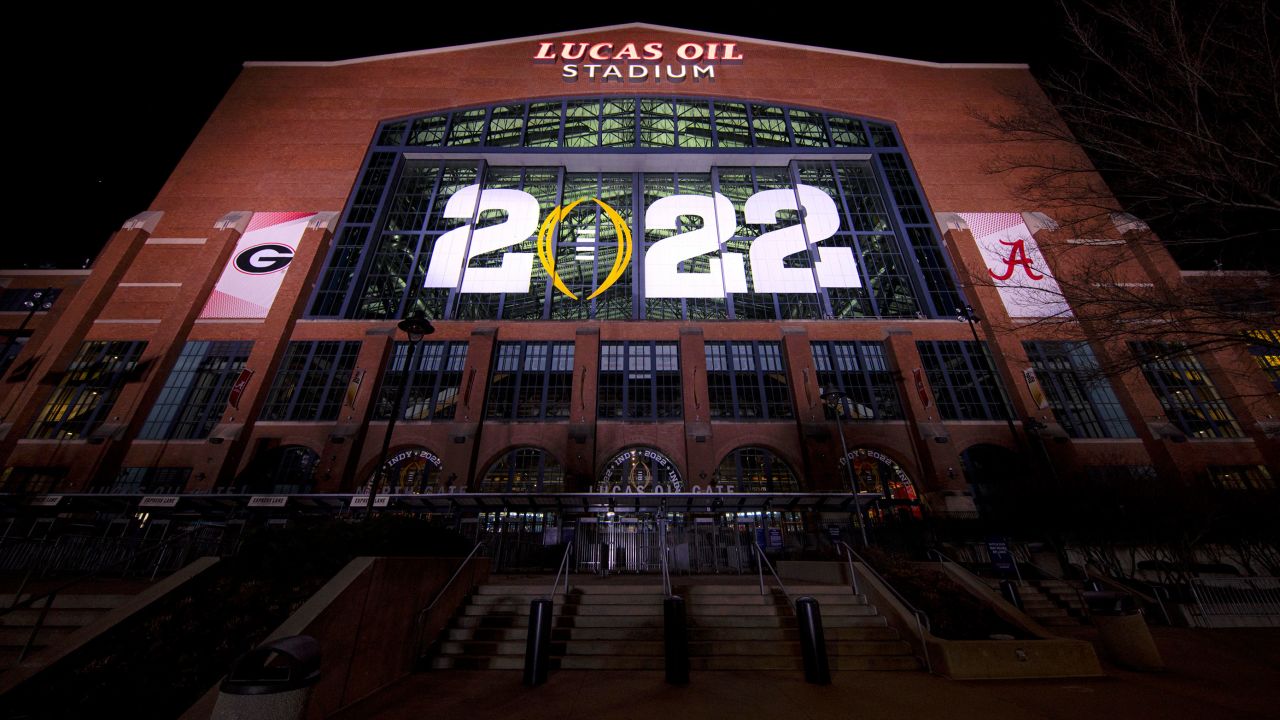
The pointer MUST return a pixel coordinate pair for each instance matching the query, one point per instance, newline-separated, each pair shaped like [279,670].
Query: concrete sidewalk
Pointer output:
[1212,674]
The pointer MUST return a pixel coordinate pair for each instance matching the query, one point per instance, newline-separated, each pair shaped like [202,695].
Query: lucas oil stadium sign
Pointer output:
[637,62]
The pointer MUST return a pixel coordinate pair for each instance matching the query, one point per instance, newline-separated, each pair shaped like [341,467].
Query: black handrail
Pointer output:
[922,618]
[49,596]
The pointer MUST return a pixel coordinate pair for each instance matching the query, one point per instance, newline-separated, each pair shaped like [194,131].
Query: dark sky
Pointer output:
[110,105]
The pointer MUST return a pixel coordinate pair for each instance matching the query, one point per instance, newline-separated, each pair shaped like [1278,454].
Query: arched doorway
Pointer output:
[878,473]
[413,470]
[992,471]
[523,470]
[756,469]
[287,469]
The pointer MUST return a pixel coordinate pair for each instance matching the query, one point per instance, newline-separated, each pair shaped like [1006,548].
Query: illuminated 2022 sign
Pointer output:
[835,266]
[637,62]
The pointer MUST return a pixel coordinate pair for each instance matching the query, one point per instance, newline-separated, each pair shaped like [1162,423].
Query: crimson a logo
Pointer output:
[264,259]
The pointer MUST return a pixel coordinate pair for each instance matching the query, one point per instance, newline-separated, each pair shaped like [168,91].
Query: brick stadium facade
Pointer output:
[331,148]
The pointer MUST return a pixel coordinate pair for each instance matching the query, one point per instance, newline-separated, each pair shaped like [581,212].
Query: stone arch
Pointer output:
[410,469]
[281,469]
[641,468]
[992,470]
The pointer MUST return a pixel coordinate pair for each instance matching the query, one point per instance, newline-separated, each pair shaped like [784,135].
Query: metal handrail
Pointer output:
[853,577]
[935,553]
[922,619]
[564,567]
[453,577]
[49,596]
[666,571]
[760,557]
[940,557]
[1084,606]
[186,532]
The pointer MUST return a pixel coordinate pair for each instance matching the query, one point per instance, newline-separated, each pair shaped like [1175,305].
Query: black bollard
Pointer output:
[537,649]
[1009,591]
[676,640]
[813,646]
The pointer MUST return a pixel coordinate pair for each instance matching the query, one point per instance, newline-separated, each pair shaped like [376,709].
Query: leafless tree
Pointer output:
[1160,135]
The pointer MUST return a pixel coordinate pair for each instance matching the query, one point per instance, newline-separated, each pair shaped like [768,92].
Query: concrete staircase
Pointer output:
[734,627]
[69,613]
[602,626]
[597,627]
[1052,603]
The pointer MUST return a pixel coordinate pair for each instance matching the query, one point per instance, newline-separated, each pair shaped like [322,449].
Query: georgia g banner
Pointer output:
[1015,265]
[257,267]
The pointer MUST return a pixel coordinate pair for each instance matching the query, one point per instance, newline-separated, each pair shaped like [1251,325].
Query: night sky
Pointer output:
[108,107]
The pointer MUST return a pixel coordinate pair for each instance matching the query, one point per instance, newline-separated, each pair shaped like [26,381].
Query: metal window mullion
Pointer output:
[927,209]
[548,294]
[360,273]
[484,129]
[810,248]
[906,248]
[336,246]
[452,299]
[786,123]
[422,234]
[863,274]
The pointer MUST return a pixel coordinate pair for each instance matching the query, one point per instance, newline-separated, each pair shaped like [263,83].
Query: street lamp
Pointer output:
[835,400]
[33,305]
[966,314]
[416,326]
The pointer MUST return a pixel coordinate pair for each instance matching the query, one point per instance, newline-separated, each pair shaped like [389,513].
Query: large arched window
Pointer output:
[601,164]
[523,470]
[757,469]
[285,469]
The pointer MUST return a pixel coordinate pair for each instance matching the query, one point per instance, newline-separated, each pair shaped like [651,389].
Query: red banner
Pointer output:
[918,374]
[237,389]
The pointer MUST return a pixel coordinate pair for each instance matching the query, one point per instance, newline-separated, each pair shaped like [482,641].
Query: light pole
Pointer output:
[966,314]
[416,326]
[33,306]
[835,400]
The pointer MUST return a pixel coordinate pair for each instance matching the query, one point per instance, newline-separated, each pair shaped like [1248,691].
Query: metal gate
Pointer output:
[636,544]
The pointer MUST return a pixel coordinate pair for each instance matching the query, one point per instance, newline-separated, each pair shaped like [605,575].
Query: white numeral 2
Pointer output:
[662,276]
[835,267]
[450,254]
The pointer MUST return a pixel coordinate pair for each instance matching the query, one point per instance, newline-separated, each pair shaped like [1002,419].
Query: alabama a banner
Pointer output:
[253,276]
[1015,266]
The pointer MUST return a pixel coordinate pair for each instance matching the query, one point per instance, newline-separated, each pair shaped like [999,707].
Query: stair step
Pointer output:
[462,662]
[557,634]
[540,590]
[768,648]
[697,634]
[601,662]
[572,599]
[75,602]
[54,618]
[747,662]
[853,621]
[498,609]
[521,620]
[17,636]
[874,662]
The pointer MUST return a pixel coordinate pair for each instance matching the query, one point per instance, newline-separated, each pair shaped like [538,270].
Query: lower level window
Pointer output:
[88,390]
[1187,394]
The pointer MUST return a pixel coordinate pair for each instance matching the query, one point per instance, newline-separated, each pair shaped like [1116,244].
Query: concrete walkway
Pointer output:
[1212,674]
